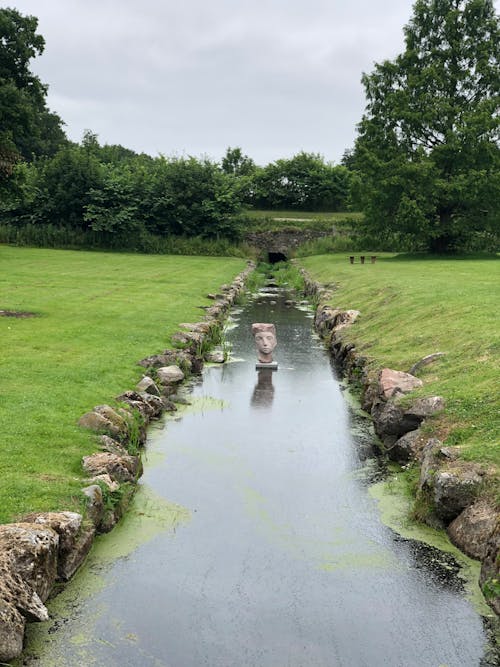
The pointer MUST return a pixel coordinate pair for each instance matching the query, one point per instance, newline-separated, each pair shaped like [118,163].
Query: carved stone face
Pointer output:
[265,340]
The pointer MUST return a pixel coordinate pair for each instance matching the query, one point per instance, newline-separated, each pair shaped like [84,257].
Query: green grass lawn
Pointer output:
[261,220]
[97,314]
[414,306]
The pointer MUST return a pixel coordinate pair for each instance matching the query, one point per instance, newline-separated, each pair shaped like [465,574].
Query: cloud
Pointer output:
[272,76]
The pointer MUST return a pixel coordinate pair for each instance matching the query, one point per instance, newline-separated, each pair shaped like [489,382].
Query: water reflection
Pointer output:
[263,393]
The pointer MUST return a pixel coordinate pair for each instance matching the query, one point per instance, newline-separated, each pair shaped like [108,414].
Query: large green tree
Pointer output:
[428,151]
[304,182]
[27,127]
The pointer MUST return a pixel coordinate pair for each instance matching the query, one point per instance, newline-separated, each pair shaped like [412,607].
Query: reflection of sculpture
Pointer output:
[263,392]
[265,341]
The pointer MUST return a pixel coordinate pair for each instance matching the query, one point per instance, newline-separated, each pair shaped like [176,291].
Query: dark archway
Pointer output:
[275,257]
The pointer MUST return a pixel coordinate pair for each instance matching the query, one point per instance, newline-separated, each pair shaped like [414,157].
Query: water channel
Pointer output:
[253,541]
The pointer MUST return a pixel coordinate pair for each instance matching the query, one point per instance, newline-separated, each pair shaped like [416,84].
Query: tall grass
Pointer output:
[51,236]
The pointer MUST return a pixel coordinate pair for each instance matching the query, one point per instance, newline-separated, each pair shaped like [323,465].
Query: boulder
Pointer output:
[118,420]
[407,447]
[345,318]
[181,358]
[105,479]
[472,528]
[422,408]
[95,503]
[12,625]
[388,421]
[75,538]
[110,445]
[455,489]
[119,468]
[148,386]
[393,382]
[31,552]
[98,423]
[215,357]
[490,569]
[170,374]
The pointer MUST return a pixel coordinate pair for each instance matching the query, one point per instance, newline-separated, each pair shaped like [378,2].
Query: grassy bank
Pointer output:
[413,306]
[95,315]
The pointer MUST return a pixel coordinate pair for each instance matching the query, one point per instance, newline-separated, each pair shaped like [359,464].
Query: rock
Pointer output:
[32,554]
[190,338]
[105,479]
[95,503]
[16,592]
[119,468]
[147,385]
[170,374]
[345,318]
[155,404]
[396,382]
[406,448]
[472,528]
[75,539]
[110,445]
[387,420]
[11,632]
[98,423]
[114,417]
[181,358]
[490,569]
[425,407]
[455,489]
[429,463]
[215,357]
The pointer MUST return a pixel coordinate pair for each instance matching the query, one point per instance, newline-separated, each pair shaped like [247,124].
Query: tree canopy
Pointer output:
[428,153]
[27,127]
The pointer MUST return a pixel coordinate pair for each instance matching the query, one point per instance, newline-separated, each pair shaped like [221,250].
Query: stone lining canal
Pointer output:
[253,540]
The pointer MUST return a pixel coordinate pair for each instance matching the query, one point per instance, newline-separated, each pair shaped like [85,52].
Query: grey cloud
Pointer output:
[272,76]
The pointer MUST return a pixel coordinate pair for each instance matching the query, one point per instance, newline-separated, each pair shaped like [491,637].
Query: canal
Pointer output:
[253,540]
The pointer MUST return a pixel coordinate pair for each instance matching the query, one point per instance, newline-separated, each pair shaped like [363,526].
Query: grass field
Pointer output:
[260,220]
[96,315]
[413,306]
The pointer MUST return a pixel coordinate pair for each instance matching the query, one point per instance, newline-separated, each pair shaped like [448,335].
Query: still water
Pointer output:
[254,542]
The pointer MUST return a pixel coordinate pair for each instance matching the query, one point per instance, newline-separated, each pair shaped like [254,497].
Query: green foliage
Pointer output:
[236,163]
[427,154]
[303,182]
[27,127]
[52,236]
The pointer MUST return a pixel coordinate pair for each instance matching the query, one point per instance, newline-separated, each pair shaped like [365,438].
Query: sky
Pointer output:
[193,77]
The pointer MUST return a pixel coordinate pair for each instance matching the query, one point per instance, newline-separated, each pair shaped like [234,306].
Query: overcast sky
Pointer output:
[194,76]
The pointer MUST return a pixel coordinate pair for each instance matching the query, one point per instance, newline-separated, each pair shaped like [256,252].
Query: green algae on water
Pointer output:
[395,504]
[147,516]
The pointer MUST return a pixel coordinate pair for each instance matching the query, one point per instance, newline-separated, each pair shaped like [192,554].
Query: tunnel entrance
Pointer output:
[275,257]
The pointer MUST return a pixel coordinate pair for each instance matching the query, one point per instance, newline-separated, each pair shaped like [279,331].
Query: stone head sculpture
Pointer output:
[265,341]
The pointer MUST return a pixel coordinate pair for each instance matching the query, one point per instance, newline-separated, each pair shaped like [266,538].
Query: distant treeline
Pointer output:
[118,194]
[424,169]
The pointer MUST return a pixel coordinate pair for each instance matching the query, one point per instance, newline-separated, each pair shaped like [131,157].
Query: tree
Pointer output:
[427,151]
[27,127]
[303,182]
[236,163]
[191,197]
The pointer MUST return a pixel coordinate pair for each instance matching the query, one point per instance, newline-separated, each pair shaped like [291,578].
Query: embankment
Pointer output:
[450,492]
